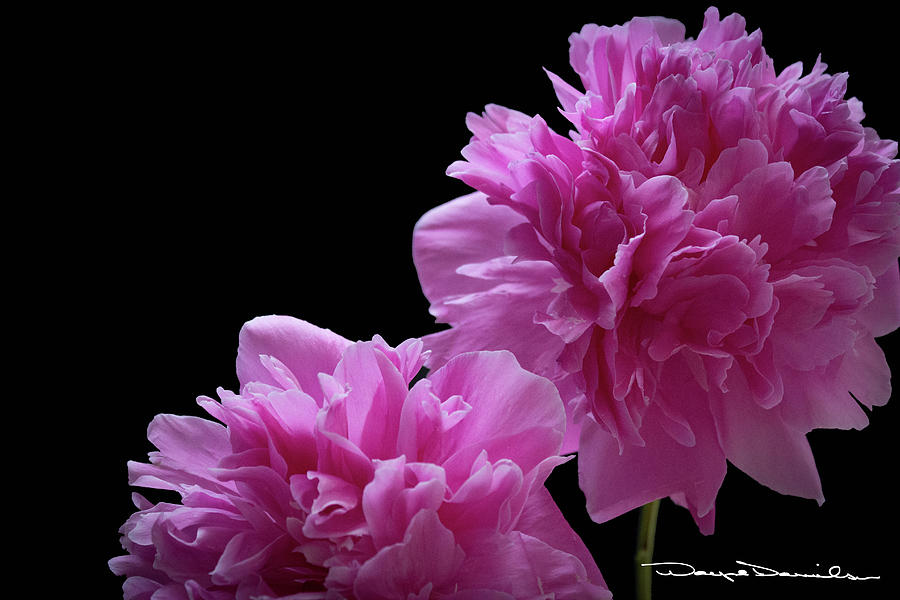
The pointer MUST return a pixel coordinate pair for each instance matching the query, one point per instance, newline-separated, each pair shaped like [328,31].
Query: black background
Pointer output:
[211,165]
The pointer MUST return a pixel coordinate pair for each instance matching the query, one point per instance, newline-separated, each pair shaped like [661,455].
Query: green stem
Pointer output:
[644,554]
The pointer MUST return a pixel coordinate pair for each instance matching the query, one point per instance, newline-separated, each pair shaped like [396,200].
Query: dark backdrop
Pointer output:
[240,162]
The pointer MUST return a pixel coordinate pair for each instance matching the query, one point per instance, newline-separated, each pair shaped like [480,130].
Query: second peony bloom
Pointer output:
[701,268]
[329,477]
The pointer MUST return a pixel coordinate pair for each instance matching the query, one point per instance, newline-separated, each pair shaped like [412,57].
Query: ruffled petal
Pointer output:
[306,351]
[515,414]
[426,559]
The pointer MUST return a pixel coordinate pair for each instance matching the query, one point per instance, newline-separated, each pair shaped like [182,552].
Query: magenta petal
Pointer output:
[139,588]
[306,350]
[542,519]
[246,553]
[375,392]
[379,498]
[427,556]
[390,503]
[865,372]
[366,489]
[527,567]
[290,418]
[819,398]
[709,225]
[516,414]
[484,501]
[337,508]
[760,443]
[573,433]
[882,315]
[665,466]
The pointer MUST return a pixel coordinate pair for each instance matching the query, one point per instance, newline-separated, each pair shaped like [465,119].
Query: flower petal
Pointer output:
[527,567]
[760,443]
[306,350]
[542,519]
[515,414]
[465,231]
[427,556]
[666,467]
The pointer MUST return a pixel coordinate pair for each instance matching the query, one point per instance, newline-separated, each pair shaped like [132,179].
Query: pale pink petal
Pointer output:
[290,419]
[483,501]
[306,350]
[515,414]
[465,231]
[188,441]
[375,391]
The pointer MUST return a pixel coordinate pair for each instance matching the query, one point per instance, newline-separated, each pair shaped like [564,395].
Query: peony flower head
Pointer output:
[700,266]
[328,477]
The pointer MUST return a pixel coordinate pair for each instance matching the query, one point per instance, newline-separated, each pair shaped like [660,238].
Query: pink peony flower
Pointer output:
[701,269]
[331,478]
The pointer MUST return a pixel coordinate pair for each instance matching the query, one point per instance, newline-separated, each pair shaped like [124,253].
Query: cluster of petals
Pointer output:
[328,476]
[701,266]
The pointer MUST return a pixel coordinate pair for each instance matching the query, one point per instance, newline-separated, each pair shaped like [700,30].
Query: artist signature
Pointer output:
[680,569]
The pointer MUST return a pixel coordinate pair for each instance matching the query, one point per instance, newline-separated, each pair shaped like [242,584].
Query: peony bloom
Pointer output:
[330,478]
[700,267]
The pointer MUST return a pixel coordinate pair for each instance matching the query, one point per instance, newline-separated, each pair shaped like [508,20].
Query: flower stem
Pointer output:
[644,554]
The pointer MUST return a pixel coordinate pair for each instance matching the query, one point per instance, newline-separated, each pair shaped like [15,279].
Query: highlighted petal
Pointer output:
[304,349]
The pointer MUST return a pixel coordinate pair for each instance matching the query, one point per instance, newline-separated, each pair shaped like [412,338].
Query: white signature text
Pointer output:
[680,569]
